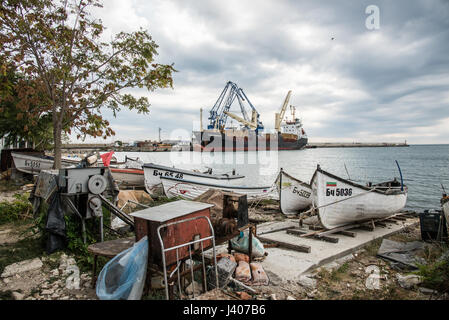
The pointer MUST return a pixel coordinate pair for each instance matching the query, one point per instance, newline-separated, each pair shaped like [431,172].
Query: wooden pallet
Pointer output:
[318,232]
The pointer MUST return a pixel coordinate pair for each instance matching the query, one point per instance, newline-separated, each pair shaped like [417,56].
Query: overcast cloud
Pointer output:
[390,84]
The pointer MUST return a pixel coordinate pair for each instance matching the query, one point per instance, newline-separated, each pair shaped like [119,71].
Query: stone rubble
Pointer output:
[65,282]
[23,266]
[409,281]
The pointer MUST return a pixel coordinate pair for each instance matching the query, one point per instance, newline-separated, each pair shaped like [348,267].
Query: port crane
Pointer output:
[280,115]
[251,125]
[220,111]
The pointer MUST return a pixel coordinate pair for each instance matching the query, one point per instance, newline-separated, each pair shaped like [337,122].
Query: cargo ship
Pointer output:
[250,135]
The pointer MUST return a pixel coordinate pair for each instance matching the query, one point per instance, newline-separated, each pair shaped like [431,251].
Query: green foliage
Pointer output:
[343,268]
[435,275]
[15,210]
[161,200]
[57,45]
[15,124]
[75,243]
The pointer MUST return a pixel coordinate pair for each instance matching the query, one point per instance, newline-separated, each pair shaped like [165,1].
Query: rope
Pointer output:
[255,204]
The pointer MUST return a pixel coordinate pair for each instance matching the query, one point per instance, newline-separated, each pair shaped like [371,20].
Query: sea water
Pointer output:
[424,167]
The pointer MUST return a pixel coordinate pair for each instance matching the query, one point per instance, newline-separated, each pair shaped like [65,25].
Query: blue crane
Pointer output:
[218,116]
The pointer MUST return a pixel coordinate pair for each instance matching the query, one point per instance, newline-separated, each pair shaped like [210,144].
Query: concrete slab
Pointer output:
[290,265]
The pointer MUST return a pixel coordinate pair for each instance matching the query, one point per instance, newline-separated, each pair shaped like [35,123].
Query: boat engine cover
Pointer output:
[97,184]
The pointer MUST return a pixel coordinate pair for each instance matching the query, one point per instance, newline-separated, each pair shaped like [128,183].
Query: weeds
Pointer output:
[372,248]
[15,210]
[435,275]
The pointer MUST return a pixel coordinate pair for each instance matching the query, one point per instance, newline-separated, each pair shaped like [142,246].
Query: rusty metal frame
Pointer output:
[177,269]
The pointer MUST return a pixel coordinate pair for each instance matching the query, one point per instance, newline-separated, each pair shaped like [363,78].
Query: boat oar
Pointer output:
[444,191]
[400,173]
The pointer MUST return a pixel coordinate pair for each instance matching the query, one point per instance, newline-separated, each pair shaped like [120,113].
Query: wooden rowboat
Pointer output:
[294,195]
[340,202]
[191,189]
[153,173]
[34,164]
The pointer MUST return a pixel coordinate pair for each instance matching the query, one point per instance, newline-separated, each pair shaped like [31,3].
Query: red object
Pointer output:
[148,220]
[106,158]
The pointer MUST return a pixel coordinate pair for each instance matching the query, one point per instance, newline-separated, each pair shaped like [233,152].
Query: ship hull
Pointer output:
[221,142]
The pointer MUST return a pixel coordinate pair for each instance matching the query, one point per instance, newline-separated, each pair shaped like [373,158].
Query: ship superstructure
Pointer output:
[250,135]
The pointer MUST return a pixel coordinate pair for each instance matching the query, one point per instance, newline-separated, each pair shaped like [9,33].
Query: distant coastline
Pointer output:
[81,147]
[354,144]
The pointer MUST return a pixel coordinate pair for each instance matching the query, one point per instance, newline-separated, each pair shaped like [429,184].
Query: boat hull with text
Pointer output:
[154,172]
[34,164]
[190,189]
[294,195]
[339,202]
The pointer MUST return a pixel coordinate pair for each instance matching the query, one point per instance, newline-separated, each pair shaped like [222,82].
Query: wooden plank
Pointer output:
[399,218]
[344,228]
[367,227]
[315,227]
[296,231]
[351,234]
[315,236]
[389,220]
[276,230]
[296,247]
[381,224]
[409,215]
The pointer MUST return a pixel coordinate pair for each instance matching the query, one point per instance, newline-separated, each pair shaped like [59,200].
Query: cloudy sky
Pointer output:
[389,84]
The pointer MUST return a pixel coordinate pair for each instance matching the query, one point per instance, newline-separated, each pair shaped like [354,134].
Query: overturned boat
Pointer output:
[33,164]
[186,189]
[294,194]
[154,172]
[339,202]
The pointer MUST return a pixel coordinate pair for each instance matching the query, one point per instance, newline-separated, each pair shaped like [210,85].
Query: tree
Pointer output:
[58,45]
[15,125]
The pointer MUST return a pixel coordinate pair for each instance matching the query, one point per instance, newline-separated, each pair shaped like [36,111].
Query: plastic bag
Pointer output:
[123,277]
[241,243]
[55,225]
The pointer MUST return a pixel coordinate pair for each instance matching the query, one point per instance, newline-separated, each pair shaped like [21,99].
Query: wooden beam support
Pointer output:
[351,234]
[276,230]
[380,224]
[315,236]
[315,227]
[367,227]
[296,247]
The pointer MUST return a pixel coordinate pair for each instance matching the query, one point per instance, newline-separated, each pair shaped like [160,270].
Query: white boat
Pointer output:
[186,189]
[128,173]
[128,177]
[153,173]
[294,195]
[34,164]
[340,202]
[445,208]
